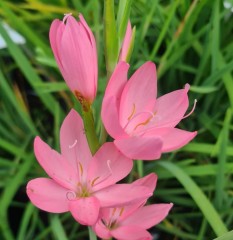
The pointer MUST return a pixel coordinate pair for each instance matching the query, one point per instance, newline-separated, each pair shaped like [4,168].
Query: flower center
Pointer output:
[83,190]
[113,219]
[140,119]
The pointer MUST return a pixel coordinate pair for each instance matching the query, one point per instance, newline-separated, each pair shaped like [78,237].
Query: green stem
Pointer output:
[140,168]
[92,235]
[103,134]
[111,48]
[89,126]
[110,36]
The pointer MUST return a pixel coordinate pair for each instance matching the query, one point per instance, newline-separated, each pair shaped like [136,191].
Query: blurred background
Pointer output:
[191,41]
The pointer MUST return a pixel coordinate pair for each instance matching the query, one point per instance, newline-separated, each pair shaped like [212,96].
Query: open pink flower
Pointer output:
[78,182]
[74,48]
[143,127]
[130,222]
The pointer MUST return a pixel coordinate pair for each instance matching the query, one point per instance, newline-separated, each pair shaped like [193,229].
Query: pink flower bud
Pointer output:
[126,48]
[74,48]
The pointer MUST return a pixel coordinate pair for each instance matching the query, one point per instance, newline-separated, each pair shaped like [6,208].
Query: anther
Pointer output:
[81,168]
[138,114]
[93,181]
[143,123]
[132,113]
[113,212]
[121,212]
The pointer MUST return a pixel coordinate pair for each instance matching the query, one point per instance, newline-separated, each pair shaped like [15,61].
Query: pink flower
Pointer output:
[127,43]
[143,127]
[78,182]
[74,48]
[130,222]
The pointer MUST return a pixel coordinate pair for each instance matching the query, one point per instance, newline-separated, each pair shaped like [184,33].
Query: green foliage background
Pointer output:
[190,42]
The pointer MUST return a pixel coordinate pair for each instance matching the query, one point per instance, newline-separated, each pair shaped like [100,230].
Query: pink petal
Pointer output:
[76,53]
[138,92]
[110,115]
[148,181]
[85,210]
[94,50]
[148,216]
[170,108]
[121,194]
[126,43]
[146,148]
[173,138]
[73,142]
[47,195]
[108,166]
[53,39]
[176,139]
[117,81]
[101,230]
[131,233]
[55,165]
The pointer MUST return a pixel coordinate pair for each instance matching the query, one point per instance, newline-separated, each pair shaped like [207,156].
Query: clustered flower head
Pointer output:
[142,127]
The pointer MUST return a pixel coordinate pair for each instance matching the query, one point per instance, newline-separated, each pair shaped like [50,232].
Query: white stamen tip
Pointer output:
[75,142]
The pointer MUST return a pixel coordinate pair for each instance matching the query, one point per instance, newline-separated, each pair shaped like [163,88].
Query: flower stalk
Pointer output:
[89,126]
[92,235]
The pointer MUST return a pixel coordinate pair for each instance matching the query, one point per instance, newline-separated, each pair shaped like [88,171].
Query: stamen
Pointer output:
[66,15]
[93,182]
[81,168]
[70,195]
[192,110]
[114,211]
[121,212]
[143,123]
[132,113]
[75,142]
[149,112]
[194,106]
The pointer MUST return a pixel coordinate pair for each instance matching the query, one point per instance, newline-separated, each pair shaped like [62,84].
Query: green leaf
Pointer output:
[110,36]
[198,196]
[227,236]
[203,89]
[57,228]
[123,18]
[23,63]
[222,160]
